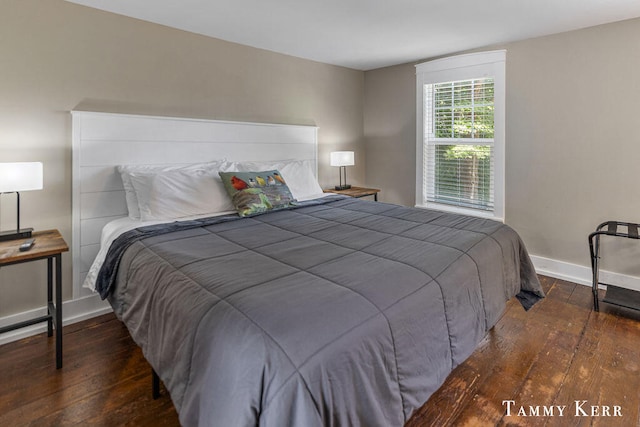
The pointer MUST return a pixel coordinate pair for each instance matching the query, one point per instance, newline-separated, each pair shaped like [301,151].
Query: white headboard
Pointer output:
[101,141]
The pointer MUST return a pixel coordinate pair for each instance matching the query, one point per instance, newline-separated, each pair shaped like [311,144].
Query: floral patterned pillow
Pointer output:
[254,193]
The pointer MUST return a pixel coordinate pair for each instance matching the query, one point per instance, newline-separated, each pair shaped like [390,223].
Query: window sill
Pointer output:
[461,211]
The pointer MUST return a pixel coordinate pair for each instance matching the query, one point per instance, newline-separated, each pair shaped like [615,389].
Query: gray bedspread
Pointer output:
[342,312]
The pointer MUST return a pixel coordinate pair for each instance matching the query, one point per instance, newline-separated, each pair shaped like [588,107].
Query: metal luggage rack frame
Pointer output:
[616,295]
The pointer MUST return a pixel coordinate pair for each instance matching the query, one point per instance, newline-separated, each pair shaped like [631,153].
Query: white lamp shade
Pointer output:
[23,176]
[342,158]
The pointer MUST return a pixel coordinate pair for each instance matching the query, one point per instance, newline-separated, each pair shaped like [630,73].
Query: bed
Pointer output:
[328,311]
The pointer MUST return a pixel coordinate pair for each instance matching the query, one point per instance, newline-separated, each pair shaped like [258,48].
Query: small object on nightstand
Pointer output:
[28,244]
[356,192]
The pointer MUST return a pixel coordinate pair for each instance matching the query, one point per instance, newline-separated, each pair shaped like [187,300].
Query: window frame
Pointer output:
[456,68]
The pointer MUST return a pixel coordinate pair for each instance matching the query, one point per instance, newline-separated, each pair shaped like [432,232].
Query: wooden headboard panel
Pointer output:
[102,141]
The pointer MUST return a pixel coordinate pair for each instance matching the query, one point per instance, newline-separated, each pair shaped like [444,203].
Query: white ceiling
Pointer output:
[369,34]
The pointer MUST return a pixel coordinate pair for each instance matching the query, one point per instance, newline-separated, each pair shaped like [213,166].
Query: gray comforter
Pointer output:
[341,312]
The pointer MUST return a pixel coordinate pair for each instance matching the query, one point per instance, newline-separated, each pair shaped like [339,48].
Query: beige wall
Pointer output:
[572,102]
[390,132]
[572,139]
[57,56]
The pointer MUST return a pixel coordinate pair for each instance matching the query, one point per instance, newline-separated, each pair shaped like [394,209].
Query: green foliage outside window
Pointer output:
[463,173]
[463,110]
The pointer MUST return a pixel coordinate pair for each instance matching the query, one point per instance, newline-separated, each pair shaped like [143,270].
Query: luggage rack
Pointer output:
[616,295]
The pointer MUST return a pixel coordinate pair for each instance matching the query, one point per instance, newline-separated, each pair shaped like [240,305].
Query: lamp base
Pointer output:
[23,233]
[343,187]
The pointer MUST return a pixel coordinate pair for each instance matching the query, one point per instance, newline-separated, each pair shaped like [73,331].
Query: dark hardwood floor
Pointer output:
[556,354]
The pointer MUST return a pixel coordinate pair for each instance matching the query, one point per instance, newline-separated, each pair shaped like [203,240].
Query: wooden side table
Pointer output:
[48,245]
[356,192]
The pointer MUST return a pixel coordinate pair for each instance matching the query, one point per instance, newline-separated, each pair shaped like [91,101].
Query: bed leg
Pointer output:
[155,384]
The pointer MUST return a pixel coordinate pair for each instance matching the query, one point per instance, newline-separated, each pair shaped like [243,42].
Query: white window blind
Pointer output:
[459,151]
[460,141]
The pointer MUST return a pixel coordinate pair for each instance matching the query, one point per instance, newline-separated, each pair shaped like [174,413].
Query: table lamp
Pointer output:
[14,178]
[342,159]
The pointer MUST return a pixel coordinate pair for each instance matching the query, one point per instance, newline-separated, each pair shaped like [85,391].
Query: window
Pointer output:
[460,141]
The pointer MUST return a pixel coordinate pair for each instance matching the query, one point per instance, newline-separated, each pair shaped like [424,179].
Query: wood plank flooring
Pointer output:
[556,354]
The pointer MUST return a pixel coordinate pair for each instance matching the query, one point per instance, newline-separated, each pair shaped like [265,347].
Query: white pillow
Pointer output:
[298,174]
[180,193]
[126,171]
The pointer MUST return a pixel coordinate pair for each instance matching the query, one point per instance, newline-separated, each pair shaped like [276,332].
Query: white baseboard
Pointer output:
[72,311]
[580,274]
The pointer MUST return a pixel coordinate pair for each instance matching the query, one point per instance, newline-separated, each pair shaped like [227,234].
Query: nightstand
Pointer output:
[48,245]
[356,192]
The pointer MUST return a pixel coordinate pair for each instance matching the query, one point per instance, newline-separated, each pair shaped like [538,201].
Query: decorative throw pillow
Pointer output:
[253,193]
